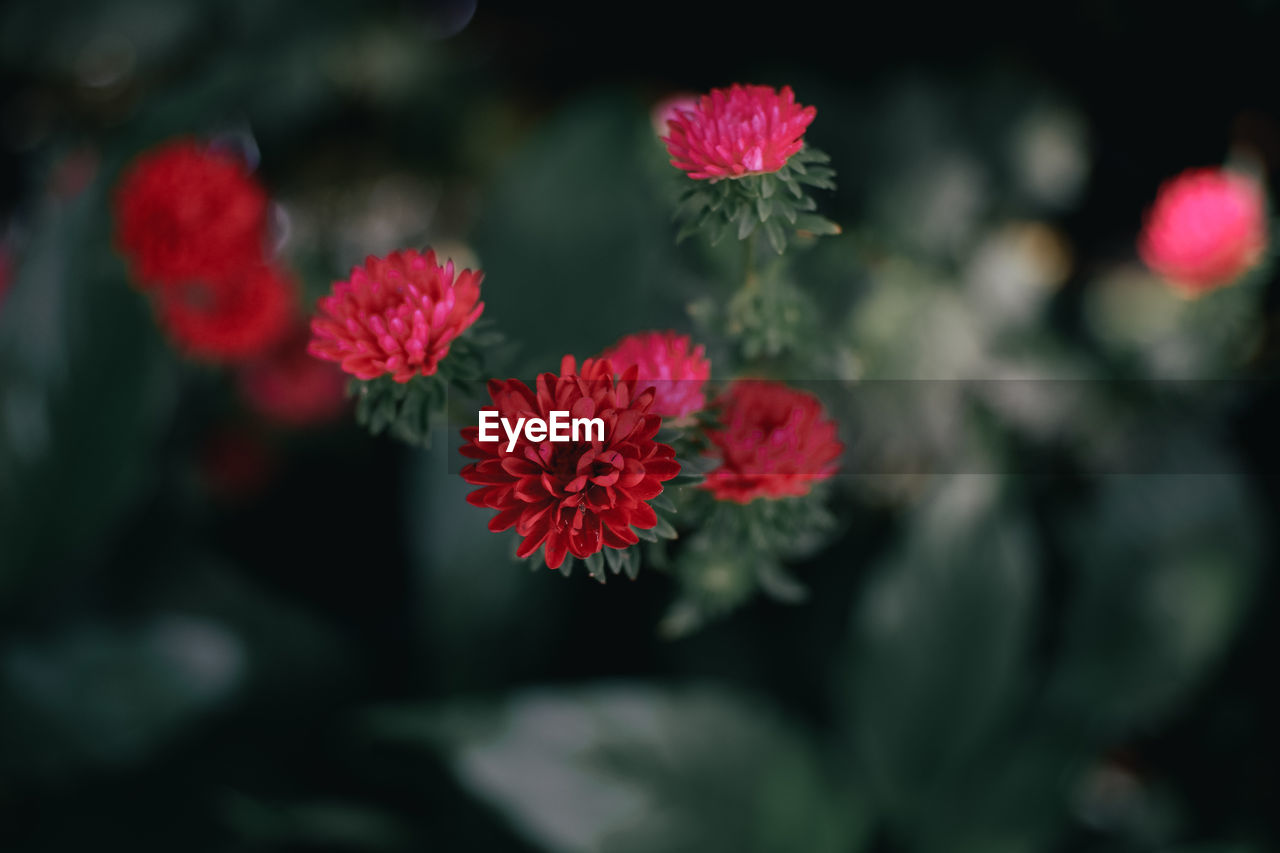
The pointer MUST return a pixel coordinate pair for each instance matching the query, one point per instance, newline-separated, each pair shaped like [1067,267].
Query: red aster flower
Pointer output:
[231,319]
[291,388]
[775,442]
[572,497]
[1206,228]
[671,364]
[184,212]
[742,130]
[397,315]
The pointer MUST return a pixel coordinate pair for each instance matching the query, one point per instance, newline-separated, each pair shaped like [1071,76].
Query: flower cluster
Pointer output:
[742,130]
[671,364]
[1206,228]
[573,498]
[773,442]
[192,223]
[397,315]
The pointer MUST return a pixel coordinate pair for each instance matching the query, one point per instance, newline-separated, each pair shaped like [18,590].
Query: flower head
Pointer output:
[396,315]
[290,388]
[775,442]
[1206,228]
[573,497]
[675,368]
[185,212]
[742,130]
[234,318]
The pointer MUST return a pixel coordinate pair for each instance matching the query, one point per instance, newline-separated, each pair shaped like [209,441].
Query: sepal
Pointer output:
[777,203]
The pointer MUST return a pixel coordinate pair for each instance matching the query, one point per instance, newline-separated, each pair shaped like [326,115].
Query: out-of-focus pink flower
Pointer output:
[185,212]
[232,319]
[742,130]
[1206,228]
[675,368]
[396,315]
[669,108]
[774,442]
[290,388]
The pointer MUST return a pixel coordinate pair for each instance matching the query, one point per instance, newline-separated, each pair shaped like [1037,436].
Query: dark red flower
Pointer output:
[231,319]
[1206,228]
[573,497]
[675,368]
[742,130]
[774,442]
[185,212]
[396,315]
[291,388]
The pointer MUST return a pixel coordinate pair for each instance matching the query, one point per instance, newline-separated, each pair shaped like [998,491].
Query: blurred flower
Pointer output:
[397,315]
[1206,228]
[742,130]
[774,442]
[291,388]
[669,108]
[185,212]
[229,319]
[576,497]
[675,368]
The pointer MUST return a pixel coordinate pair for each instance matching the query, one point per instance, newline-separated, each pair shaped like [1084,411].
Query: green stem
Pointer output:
[749,276]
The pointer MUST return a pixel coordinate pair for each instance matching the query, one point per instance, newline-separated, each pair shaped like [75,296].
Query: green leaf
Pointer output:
[646,769]
[777,239]
[664,529]
[595,566]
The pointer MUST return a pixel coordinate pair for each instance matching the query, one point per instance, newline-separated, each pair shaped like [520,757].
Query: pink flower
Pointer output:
[290,388]
[1206,228]
[774,442]
[396,315]
[670,363]
[742,130]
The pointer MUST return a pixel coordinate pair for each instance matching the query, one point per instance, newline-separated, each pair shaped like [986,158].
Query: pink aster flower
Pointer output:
[396,315]
[742,130]
[1206,228]
[774,442]
[670,363]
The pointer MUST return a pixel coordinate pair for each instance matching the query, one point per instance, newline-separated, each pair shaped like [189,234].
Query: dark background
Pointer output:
[352,578]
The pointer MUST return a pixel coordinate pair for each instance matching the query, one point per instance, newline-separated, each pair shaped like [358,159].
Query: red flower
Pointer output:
[1207,226]
[230,319]
[775,443]
[396,316]
[293,389]
[671,364]
[574,497]
[184,212]
[742,130]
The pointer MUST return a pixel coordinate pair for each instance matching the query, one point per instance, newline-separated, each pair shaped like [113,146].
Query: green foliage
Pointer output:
[775,204]
[640,768]
[409,410]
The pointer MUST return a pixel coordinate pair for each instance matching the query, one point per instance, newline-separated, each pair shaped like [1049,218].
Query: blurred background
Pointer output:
[1030,629]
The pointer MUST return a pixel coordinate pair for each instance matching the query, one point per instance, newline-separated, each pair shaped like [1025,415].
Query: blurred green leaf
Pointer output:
[635,768]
